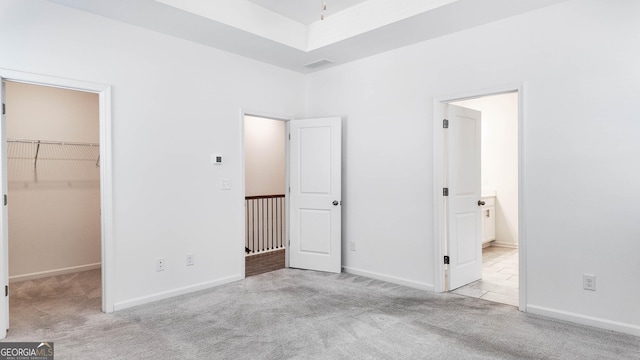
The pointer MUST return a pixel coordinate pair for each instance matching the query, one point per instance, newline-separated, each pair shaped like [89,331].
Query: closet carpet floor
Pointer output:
[297,314]
[44,306]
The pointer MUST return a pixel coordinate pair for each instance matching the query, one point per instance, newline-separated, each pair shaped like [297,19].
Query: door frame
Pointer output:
[106,181]
[439,233]
[265,115]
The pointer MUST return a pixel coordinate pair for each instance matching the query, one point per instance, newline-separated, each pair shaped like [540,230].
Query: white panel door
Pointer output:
[464,222]
[4,234]
[315,196]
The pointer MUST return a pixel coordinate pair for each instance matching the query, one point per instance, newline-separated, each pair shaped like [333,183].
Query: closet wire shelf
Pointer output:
[37,161]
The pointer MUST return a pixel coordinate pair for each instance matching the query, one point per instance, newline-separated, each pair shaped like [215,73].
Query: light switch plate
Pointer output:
[225,184]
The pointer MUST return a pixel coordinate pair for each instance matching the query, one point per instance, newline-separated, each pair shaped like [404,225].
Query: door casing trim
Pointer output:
[106,179]
[440,240]
[265,115]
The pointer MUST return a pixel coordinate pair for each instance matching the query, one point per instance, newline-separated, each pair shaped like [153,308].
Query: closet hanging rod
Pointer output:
[35,142]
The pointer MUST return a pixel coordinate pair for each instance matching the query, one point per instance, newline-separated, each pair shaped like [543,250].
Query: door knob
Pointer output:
[335,202]
[480,202]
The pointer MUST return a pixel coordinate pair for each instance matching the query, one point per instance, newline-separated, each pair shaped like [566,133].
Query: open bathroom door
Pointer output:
[464,222]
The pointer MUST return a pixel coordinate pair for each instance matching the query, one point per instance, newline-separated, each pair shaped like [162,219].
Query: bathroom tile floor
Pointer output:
[499,281]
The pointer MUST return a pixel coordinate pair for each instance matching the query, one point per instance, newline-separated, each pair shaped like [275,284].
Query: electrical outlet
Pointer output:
[589,282]
[352,245]
[190,261]
[160,264]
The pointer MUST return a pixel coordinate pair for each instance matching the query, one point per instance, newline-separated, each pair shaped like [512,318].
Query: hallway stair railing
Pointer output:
[265,223]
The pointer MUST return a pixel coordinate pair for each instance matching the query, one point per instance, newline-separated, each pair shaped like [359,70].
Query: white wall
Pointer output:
[264,146]
[500,160]
[54,220]
[174,103]
[582,86]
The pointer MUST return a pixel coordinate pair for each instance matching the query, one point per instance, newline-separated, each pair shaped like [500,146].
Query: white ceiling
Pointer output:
[276,32]
[305,11]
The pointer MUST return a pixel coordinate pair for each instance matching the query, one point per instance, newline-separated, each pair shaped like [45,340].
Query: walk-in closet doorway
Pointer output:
[53,173]
[56,237]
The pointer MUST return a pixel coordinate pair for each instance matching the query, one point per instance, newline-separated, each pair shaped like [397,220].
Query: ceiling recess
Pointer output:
[318,63]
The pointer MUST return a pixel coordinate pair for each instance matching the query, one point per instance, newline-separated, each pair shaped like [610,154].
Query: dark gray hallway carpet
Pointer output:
[295,314]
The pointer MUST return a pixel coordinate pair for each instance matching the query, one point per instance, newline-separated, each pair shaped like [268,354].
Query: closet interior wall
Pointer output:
[54,181]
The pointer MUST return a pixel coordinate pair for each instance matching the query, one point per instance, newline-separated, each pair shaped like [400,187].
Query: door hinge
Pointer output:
[289,136]
[445,124]
[446,259]
[4,108]
[6,290]
[6,201]
[445,191]
[289,189]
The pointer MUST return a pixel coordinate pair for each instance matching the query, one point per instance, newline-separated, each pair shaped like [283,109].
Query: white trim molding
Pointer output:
[265,115]
[584,320]
[106,179]
[438,182]
[504,244]
[390,279]
[176,292]
[56,272]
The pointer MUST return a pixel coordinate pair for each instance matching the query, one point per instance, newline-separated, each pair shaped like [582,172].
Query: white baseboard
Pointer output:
[56,272]
[391,279]
[585,320]
[176,292]
[504,244]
